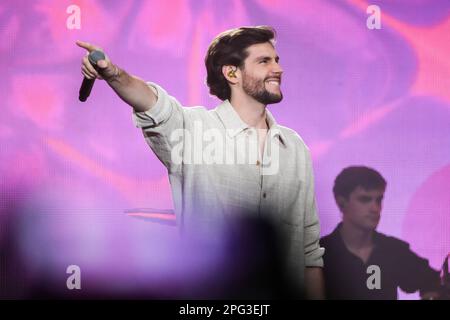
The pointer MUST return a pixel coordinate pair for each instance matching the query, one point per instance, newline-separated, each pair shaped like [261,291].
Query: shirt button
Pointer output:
[264,195]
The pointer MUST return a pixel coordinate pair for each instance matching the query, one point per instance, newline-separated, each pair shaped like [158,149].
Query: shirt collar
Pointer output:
[275,130]
[336,234]
[234,124]
[230,119]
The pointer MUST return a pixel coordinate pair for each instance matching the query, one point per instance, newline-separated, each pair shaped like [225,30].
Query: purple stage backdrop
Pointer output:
[79,186]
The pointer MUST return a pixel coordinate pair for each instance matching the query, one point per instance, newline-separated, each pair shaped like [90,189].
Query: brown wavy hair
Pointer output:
[229,48]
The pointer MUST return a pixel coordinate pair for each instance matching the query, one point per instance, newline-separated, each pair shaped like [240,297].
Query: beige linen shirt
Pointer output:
[213,175]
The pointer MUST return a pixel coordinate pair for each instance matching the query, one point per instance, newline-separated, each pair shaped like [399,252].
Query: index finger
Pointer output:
[89,47]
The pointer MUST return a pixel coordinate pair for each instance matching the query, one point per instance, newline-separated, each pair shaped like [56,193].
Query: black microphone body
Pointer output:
[85,89]
[87,84]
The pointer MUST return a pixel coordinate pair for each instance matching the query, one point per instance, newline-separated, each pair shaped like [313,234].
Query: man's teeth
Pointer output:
[274,82]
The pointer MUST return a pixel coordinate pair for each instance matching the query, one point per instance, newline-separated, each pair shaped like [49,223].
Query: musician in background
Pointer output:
[361,263]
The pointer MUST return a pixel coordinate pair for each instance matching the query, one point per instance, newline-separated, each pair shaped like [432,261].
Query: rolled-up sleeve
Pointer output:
[159,113]
[313,251]
[160,122]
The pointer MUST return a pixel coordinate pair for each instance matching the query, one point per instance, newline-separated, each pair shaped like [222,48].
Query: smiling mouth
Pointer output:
[274,81]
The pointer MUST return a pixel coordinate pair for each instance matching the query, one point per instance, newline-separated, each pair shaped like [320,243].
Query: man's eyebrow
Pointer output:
[277,58]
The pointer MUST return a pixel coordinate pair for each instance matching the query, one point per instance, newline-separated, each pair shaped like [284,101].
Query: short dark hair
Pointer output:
[357,176]
[229,48]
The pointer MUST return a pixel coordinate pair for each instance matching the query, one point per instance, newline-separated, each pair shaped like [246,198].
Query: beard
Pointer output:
[256,89]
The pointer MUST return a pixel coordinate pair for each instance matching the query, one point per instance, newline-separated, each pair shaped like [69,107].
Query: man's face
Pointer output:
[261,75]
[363,207]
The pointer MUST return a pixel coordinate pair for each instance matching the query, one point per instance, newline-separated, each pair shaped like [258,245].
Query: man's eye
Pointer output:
[263,61]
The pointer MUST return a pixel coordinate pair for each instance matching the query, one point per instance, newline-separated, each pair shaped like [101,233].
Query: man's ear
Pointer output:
[231,73]
[341,202]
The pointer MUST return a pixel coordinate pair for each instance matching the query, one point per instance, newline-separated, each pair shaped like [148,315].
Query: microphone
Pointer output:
[87,84]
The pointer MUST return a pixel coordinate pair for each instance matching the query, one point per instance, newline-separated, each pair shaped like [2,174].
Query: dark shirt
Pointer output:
[346,274]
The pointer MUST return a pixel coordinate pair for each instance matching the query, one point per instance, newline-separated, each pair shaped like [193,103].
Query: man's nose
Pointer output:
[375,206]
[278,69]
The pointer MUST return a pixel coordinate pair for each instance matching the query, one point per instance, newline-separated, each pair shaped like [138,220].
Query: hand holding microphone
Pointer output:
[95,65]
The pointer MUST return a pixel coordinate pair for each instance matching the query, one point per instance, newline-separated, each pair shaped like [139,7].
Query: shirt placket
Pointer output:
[263,178]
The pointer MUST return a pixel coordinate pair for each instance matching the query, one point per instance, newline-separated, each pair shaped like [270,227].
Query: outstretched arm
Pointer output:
[130,89]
